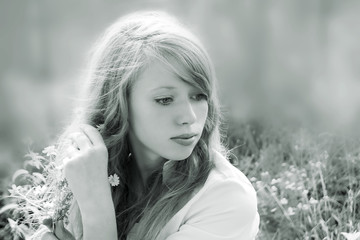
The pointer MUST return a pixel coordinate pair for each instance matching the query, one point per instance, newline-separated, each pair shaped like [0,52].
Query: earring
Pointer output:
[129,157]
[114,180]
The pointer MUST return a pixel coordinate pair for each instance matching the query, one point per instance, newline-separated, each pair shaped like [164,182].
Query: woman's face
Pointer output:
[166,114]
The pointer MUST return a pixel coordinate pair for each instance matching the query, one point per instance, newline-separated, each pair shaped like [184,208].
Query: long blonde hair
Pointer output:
[121,54]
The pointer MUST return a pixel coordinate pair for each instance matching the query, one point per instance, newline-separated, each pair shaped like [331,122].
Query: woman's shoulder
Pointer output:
[226,187]
[227,203]
[224,208]
[226,173]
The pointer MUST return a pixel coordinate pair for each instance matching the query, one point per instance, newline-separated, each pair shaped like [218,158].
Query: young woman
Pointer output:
[151,117]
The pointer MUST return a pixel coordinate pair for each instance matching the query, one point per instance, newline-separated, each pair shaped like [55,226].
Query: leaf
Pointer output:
[18,173]
[34,156]
[19,231]
[8,207]
[32,209]
[33,163]
[24,230]
[50,151]
[12,223]
[39,176]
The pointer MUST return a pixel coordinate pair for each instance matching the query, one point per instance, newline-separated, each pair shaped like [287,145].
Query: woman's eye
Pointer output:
[164,101]
[200,97]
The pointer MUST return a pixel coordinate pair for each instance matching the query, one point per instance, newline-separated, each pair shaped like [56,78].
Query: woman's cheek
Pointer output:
[203,112]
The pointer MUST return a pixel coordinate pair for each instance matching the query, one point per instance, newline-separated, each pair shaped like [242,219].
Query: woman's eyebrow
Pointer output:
[163,87]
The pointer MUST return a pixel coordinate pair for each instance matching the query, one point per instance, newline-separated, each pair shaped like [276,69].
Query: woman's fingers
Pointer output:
[80,140]
[86,136]
[93,134]
[71,151]
[87,171]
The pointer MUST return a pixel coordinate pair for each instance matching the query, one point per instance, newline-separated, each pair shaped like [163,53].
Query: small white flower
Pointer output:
[326,198]
[275,181]
[305,192]
[259,184]
[114,180]
[324,155]
[290,211]
[284,201]
[313,201]
[305,207]
[318,164]
[50,151]
[265,174]
[274,189]
[289,185]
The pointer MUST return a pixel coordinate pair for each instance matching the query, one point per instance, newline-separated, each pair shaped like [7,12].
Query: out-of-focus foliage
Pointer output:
[284,61]
[281,66]
[308,184]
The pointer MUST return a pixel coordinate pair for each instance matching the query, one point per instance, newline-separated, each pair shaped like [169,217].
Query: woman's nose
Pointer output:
[186,114]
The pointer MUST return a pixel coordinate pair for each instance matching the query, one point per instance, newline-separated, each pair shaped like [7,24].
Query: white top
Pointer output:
[225,208]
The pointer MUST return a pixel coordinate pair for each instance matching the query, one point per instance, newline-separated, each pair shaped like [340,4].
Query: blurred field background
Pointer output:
[288,74]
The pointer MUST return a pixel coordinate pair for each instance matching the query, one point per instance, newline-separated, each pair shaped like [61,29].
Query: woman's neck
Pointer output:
[145,161]
[145,167]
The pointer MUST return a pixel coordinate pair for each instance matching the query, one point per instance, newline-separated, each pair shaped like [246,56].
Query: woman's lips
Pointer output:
[184,141]
[186,135]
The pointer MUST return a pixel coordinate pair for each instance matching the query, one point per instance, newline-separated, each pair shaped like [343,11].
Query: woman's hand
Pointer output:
[85,168]
[86,172]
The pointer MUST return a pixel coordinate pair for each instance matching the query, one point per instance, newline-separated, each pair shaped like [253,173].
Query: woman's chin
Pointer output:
[179,156]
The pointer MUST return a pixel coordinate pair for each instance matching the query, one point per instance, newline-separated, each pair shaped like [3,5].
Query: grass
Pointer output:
[307,183]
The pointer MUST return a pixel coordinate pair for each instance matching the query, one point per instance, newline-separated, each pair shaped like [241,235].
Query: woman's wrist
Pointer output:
[99,221]
[100,208]
[99,198]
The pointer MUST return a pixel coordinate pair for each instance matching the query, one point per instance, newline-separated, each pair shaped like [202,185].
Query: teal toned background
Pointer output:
[288,76]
